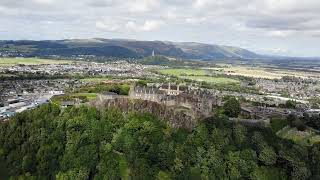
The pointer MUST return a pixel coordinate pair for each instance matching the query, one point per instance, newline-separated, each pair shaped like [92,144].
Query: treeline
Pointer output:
[301,123]
[121,89]
[85,143]
[12,76]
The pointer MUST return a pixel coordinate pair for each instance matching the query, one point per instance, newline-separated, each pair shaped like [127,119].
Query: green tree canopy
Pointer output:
[232,107]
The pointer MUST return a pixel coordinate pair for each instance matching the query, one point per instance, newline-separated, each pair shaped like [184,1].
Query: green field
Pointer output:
[277,124]
[89,96]
[198,75]
[183,72]
[8,75]
[85,97]
[213,80]
[95,80]
[307,137]
[29,61]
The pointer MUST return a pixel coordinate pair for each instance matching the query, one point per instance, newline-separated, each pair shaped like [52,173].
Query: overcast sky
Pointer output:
[281,27]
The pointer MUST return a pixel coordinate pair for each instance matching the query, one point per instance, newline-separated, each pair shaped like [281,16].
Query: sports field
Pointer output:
[29,61]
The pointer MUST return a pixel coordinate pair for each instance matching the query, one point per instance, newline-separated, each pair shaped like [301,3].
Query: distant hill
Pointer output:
[208,52]
[123,49]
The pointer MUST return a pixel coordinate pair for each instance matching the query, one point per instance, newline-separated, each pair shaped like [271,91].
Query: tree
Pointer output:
[290,104]
[315,161]
[232,107]
[268,156]
[80,174]
[141,83]
[294,121]
[163,176]
[266,173]
[239,134]
[87,143]
[299,124]
[291,118]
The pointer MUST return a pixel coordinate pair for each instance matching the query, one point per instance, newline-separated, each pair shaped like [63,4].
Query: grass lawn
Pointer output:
[29,61]
[307,137]
[70,97]
[277,124]
[90,96]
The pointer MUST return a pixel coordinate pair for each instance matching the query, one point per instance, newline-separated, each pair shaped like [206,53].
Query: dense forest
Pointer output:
[86,143]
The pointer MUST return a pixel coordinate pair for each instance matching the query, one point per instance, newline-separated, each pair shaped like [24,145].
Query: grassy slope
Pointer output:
[305,138]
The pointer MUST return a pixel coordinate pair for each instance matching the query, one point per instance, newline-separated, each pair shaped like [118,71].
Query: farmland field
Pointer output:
[259,72]
[198,75]
[210,79]
[183,72]
[29,61]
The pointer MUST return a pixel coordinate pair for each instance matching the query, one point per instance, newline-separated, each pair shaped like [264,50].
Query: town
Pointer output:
[26,86]
[272,96]
[159,90]
[180,99]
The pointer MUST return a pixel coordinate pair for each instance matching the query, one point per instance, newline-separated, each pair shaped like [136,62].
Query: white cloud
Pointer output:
[281,34]
[108,25]
[278,50]
[43,2]
[101,3]
[201,3]
[171,13]
[264,23]
[141,6]
[292,6]
[194,20]
[149,25]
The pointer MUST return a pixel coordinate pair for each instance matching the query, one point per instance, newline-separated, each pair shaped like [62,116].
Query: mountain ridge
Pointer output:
[123,48]
[128,48]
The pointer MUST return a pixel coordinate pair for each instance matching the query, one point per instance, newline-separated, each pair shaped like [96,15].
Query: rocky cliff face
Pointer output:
[177,118]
